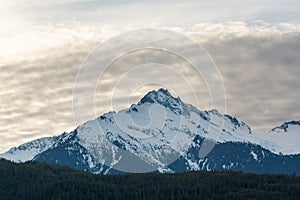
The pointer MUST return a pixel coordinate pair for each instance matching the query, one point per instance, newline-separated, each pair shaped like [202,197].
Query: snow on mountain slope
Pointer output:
[284,139]
[29,150]
[156,130]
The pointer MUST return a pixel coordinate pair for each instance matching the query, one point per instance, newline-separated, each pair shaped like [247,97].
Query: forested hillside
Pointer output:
[43,181]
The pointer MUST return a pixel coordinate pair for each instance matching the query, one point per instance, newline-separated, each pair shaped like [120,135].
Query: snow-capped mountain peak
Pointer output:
[159,96]
[286,126]
[157,132]
[29,150]
[164,98]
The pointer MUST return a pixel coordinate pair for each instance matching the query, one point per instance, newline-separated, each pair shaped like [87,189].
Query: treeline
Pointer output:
[32,181]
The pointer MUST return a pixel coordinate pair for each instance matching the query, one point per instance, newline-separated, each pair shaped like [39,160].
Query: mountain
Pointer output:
[161,133]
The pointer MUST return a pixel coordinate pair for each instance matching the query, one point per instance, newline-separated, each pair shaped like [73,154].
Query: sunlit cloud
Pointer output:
[259,65]
[44,43]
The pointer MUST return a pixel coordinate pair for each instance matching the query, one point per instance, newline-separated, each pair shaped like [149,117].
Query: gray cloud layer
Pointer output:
[260,68]
[261,77]
[157,12]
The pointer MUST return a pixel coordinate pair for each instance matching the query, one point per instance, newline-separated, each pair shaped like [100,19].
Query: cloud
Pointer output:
[261,76]
[35,94]
[132,12]
[259,63]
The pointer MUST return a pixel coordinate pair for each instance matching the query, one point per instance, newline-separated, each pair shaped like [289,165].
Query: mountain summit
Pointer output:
[162,133]
[286,125]
[164,98]
[159,96]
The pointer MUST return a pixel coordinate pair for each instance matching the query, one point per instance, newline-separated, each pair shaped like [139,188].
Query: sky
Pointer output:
[255,46]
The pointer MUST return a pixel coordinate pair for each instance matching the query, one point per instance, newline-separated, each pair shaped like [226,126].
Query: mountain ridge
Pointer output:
[161,133]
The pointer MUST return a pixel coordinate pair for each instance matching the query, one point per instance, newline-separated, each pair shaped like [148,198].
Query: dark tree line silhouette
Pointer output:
[34,180]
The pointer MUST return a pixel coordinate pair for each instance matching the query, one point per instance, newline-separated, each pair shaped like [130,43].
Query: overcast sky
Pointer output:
[255,45]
